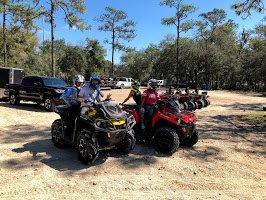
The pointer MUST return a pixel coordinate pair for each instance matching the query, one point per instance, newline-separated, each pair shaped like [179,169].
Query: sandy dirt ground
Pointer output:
[228,162]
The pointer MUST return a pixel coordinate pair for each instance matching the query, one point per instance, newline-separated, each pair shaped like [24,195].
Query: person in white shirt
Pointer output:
[91,92]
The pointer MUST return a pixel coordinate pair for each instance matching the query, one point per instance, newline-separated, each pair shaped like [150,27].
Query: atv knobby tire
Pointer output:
[128,143]
[185,105]
[207,102]
[201,104]
[166,140]
[57,133]
[87,151]
[191,105]
[192,140]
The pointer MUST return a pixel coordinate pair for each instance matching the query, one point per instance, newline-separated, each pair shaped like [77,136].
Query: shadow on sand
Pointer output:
[24,106]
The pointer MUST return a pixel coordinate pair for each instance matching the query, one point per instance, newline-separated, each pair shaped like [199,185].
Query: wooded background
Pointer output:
[216,55]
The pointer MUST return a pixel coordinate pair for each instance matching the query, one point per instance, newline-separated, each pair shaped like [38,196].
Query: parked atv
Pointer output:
[168,128]
[98,127]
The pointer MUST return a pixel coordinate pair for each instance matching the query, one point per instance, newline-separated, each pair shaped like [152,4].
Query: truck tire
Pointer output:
[166,140]
[58,134]
[49,104]
[13,99]
[122,86]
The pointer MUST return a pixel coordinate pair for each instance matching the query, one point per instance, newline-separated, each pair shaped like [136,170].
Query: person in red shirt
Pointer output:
[149,99]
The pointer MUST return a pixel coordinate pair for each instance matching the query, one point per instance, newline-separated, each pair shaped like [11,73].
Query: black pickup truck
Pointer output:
[39,89]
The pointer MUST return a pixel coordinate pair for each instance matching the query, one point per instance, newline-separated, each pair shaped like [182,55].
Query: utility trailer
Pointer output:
[9,76]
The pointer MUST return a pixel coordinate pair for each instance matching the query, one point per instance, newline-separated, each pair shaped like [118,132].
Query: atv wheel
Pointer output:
[166,140]
[49,104]
[201,103]
[192,140]
[191,105]
[57,133]
[87,152]
[196,105]
[128,143]
[207,102]
[13,99]
[185,105]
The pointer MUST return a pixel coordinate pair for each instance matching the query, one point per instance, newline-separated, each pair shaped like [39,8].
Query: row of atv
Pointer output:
[190,102]
[106,125]
[193,102]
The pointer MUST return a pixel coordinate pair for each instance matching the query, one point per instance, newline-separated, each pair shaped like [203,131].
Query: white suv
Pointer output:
[123,82]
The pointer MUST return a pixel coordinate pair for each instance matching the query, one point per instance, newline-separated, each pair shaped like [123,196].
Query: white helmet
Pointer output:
[153,83]
[78,79]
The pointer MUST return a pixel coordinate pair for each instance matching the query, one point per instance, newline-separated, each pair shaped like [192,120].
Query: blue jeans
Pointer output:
[146,115]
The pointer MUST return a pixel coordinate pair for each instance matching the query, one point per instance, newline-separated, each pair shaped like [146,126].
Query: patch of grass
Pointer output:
[256,118]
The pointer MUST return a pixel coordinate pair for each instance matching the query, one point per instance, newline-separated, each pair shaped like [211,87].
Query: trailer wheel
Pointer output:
[13,99]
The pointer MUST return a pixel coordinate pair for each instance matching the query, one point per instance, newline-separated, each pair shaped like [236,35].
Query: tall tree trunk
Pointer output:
[52,38]
[177,51]
[177,44]
[207,73]
[113,51]
[4,35]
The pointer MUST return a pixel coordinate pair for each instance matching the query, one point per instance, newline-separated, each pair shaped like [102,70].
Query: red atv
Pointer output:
[169,127]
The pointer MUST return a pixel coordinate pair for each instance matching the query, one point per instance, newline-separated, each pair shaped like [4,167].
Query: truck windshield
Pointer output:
[54,82]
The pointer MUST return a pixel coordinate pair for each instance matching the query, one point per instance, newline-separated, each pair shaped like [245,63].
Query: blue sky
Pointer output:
[147,14]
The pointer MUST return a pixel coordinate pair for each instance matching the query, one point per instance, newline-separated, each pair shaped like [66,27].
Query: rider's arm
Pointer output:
[129,96]
[99,94]
[81,95]
[66,96]
[143,98]
[157,96]
[98,98]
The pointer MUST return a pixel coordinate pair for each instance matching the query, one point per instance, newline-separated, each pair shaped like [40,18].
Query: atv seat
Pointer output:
[131,106]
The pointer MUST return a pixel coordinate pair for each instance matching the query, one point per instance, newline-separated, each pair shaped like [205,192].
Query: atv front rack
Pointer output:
[111,128]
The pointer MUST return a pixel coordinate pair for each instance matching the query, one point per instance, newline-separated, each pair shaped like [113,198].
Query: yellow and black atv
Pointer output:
[99,126]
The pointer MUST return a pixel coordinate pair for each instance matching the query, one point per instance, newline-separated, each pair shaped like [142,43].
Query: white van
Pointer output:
[123,82]
[160,83]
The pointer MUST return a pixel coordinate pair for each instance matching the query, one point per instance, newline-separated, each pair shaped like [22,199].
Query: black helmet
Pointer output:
[153,83]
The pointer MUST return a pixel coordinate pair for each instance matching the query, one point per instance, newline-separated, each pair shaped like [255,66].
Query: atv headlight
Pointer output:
[118,122]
